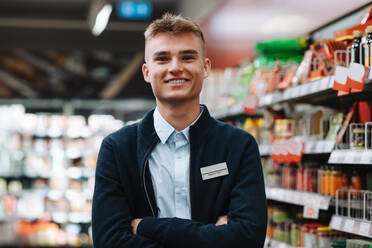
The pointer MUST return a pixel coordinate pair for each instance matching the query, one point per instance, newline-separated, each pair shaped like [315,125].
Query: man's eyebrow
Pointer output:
[189,51]
[161,53]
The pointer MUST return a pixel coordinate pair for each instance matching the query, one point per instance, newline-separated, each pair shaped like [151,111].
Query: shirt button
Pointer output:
[178,136]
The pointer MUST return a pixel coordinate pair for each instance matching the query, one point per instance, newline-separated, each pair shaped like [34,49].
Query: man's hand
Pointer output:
[134,225]
[222,220]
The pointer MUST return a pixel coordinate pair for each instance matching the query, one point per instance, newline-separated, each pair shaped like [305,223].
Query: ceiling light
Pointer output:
[284,24]
[102,19]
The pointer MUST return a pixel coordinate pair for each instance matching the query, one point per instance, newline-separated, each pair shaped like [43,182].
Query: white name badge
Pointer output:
[216,170]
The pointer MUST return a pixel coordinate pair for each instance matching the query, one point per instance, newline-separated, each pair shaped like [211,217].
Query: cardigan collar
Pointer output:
[147,137]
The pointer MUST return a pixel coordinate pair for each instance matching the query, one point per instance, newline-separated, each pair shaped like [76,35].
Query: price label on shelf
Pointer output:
[302,89]
[336,222]
[269,99]
[330,82]
[349,157]
[364,228]
[367,157]
[314,86]
[320,147]
[357,157]
[296,197]
[296,92]
[311,212]
[349,225]
[324,83]
[332,158]
[340,157]
[330,144]
[324,202]
[286,94]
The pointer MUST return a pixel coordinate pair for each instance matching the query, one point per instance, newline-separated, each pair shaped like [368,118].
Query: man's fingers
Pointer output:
[134,223]
[222,220]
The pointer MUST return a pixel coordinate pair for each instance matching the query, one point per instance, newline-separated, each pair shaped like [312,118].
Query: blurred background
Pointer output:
[70,73]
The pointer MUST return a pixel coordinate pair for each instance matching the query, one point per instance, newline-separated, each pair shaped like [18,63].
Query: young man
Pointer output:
[178,178]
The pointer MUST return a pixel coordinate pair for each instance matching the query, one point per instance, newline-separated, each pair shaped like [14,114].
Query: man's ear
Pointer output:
[207,67]
[145,72]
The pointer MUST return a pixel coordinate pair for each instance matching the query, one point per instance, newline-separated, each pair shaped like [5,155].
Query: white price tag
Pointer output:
[364,228]
[296,197]
[310,147]
[336,222]
[324,202]
[349,225]
[320,147]
[366,157]
[314,86]
[286,94]
[270,99]
[340,157]
[332,158]
[330,145]
[296,92]
[277,97]
[282,195]
[303,89]
[330,83]
[349,157]
[311,212]
[357,157]
[324,83]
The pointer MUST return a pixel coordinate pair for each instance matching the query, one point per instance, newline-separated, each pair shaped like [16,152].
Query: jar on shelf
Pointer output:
[324,237]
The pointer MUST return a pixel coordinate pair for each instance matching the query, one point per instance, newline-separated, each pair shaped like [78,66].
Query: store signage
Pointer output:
[365,228]
[340,79]
[250,104]
[134,10]
[357,74]
[311,212]
[287,151]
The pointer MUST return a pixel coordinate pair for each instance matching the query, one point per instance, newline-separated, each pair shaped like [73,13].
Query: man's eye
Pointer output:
[162,59]
[188,57]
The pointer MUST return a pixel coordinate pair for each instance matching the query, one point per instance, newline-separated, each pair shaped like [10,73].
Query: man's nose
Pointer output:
[175,66]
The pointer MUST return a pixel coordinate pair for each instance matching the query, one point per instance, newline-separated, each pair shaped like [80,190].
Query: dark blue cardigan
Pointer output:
[123,190]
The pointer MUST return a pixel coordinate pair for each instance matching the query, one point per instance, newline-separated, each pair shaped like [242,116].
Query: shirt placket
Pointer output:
[181,207]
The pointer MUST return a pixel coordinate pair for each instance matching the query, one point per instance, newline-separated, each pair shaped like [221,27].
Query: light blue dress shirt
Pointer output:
[169,166]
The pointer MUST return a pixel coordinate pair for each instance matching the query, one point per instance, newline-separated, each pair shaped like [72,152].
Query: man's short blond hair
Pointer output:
[174,24]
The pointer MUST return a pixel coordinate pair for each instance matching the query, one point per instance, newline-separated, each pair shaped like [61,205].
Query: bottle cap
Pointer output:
[357,33]
[369,29]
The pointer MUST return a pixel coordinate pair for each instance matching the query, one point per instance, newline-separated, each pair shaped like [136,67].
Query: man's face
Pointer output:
[175,67]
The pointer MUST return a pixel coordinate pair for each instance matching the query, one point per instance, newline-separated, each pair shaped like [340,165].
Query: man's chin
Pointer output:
[177,99]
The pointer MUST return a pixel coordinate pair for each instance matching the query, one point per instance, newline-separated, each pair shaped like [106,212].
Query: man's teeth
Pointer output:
[179,81]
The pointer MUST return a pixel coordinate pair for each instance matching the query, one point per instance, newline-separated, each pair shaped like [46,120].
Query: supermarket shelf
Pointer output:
[318,92]
[296,197]
[265,150]
[236,109]
[71,217]
[130,105]
[312,91]
[272,243]
[351,157]
[233,111]
[350,225]
[53,194]
[310,147]
[71,172]
[25,246]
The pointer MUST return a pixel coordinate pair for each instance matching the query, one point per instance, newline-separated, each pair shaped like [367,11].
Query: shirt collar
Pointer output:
[164,130]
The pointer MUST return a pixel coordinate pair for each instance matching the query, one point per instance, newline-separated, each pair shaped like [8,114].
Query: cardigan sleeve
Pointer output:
[111,214]
[247,214]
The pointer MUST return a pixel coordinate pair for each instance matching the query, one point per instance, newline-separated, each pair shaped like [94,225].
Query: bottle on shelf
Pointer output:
[355,48]
[367,47]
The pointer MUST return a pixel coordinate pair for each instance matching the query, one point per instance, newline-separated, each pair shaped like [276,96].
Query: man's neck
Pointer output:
[179,116]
